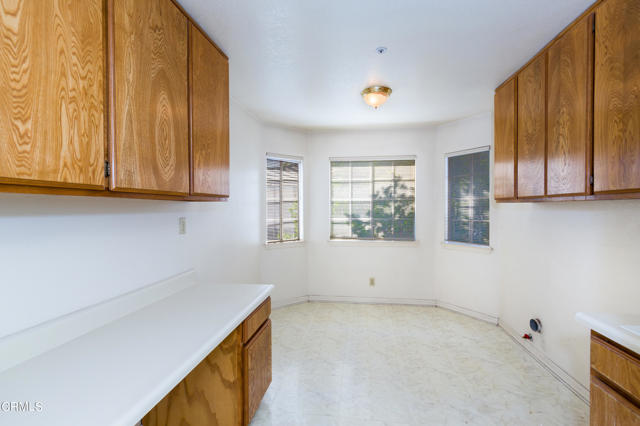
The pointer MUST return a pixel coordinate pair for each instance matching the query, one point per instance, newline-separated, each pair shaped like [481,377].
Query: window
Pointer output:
[467,216]
[373,200]
[283,199]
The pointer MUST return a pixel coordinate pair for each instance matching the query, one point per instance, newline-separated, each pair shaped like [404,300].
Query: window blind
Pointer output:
[283,196]
[373,200]
[468,198]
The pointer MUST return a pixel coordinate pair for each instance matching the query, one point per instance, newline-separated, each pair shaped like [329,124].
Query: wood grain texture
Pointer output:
[210,395]
[52,121]
[617,97]
[616,366]
[531,144]
[257,370]
[83,192]
[209,117]
[566,29]
[568,111]
[255,320]
[504,169]
[150,148]
[608,408]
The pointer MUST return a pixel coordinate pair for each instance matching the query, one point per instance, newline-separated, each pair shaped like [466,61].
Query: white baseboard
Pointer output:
[372,300]
[275,304]
[468,312]
[558,372]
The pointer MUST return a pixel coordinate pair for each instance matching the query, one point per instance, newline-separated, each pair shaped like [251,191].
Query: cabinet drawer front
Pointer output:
[256,319]
[619,367]
[257,370]
[609,408]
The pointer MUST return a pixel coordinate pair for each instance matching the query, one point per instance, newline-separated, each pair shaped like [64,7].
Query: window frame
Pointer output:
[375,241]
[476,150]
[290,159]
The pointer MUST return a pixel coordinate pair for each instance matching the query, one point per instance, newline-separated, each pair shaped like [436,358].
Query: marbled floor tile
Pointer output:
[352,365]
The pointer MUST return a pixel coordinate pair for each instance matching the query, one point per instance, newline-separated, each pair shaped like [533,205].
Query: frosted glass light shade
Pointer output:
[375,96]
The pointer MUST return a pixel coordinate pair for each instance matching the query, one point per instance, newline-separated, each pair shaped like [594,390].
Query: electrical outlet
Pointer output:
[372,281]
[182,225]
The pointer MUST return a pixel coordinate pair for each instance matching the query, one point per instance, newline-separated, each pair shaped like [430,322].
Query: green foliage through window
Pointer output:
[373,200]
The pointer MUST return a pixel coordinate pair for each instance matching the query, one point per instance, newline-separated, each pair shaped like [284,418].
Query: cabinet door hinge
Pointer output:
[107,169]
[591,180]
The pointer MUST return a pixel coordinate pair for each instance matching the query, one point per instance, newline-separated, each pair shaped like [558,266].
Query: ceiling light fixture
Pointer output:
[375,96]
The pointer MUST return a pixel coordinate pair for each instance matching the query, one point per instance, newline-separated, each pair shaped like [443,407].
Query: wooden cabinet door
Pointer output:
[52,125]
[617,97]
[210,395]
[150,147]
[532,128]
[257,370]
[569,111]
[209,118]
[504,164]
[608,408]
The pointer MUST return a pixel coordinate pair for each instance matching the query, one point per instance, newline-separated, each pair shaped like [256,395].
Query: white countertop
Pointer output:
[615,327]
[115,374]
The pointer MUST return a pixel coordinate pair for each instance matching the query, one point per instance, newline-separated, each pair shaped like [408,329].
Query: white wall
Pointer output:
[59,254]
[285,264]
[401,270]
[550,260]
[473,286]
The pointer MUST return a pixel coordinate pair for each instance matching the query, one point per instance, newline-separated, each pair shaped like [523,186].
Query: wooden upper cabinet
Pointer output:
[52,121]
[532,128]
[617,97]
[569,111]
[150,144]
[210,117]
[504,169]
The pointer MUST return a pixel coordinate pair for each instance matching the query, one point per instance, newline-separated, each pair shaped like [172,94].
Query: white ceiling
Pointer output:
[303,63]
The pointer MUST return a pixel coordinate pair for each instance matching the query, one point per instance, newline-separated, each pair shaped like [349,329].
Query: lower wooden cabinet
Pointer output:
[610,408]
[615,384]
[257,367]
[210,395]
[226,388]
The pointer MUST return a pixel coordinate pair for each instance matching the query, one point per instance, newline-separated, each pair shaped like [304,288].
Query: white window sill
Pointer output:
[452,245]
[373,243]
[284,245]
